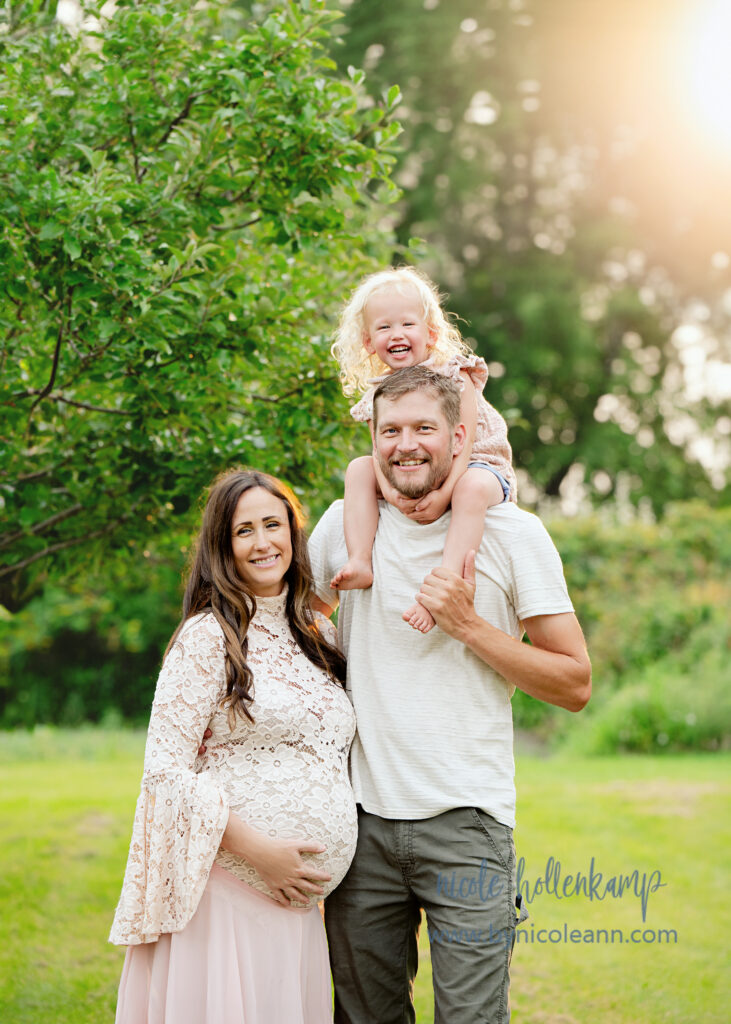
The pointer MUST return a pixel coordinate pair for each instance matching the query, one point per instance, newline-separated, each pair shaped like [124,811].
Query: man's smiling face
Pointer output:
[414,444]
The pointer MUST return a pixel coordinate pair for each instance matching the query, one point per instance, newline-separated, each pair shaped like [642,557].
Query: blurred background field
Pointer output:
[69,797]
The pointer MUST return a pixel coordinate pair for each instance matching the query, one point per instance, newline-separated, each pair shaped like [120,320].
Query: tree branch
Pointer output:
[85,405]
[133,145]
[246,192]
[236,227]
[24,478]
[268,398]
[17,395]
[8,570]
[187,106]
[41,527]
[56,354]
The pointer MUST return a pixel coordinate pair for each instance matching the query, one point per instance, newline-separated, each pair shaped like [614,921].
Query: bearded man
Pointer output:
[432,764]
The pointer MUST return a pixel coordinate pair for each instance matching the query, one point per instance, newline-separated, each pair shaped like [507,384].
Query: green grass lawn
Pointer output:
[66,803]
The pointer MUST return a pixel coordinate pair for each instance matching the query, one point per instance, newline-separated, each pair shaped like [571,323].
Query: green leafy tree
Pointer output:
[573,318]
[185,194]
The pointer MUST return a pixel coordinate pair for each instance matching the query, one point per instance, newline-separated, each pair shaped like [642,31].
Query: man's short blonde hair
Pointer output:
[426,381]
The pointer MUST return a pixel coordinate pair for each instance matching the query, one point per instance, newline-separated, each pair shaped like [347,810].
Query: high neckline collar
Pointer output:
[272,605]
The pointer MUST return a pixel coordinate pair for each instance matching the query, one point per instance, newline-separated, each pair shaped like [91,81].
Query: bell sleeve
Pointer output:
[181,815]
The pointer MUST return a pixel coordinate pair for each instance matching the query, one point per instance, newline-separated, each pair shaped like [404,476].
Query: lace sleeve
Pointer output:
[180,816]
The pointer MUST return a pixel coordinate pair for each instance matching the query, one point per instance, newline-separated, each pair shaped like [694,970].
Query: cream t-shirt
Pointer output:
[434,722]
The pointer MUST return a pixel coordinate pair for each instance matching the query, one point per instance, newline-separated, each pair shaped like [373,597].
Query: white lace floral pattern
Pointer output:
[285,774]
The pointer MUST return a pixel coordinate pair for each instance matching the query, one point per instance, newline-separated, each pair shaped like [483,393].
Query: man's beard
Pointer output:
[438,472]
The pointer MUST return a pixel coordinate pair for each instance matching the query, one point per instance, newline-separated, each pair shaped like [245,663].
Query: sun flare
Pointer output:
[709,68]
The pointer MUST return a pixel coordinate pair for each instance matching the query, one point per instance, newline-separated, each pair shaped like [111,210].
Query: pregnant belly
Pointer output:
[317,809]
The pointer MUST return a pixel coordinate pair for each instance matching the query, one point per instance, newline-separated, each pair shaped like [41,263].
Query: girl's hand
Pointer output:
[430,508]
[405,505]
[290,877]
[394,497]
[397,499]
[422,510]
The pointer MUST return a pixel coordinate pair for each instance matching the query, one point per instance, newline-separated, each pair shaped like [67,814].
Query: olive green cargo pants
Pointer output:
[460,867]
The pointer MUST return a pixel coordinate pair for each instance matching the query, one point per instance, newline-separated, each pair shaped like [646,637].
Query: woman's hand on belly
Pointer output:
[279,862]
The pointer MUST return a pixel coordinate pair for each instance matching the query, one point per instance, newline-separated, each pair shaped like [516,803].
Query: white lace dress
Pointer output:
[285,774]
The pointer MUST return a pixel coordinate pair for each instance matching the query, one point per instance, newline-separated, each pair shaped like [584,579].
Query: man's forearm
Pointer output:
[553,676]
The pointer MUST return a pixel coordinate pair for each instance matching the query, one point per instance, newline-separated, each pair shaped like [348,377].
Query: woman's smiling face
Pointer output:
[261,541]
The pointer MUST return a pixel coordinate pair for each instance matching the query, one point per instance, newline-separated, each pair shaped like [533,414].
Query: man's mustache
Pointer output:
[399,456]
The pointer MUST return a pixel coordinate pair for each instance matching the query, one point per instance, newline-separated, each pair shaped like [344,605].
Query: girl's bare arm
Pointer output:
[468,416]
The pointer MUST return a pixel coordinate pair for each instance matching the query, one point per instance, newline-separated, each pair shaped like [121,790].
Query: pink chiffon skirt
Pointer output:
[242,959]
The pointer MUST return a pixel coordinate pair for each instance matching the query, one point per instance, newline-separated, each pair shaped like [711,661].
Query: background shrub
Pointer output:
[653,600]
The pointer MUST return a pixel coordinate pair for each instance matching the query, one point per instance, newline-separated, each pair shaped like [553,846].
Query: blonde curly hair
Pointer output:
[357,366]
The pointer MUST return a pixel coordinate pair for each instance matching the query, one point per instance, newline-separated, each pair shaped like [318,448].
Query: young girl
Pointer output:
[394,319]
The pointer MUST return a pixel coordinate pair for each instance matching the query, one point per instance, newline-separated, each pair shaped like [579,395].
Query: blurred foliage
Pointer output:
[520,222]
[89,653]
[653,600]
[183,191]
[189,191]
[187,194]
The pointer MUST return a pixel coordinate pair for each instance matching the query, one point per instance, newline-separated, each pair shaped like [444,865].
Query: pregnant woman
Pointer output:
[232,849]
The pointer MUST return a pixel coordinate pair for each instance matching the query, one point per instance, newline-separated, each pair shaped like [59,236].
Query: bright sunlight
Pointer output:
[709,69]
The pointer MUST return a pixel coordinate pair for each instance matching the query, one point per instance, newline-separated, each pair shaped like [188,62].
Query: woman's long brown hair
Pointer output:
[215,586]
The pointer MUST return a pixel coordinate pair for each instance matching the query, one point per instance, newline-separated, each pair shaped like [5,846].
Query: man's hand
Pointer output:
[451,598]
[554,667]
[202,748]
